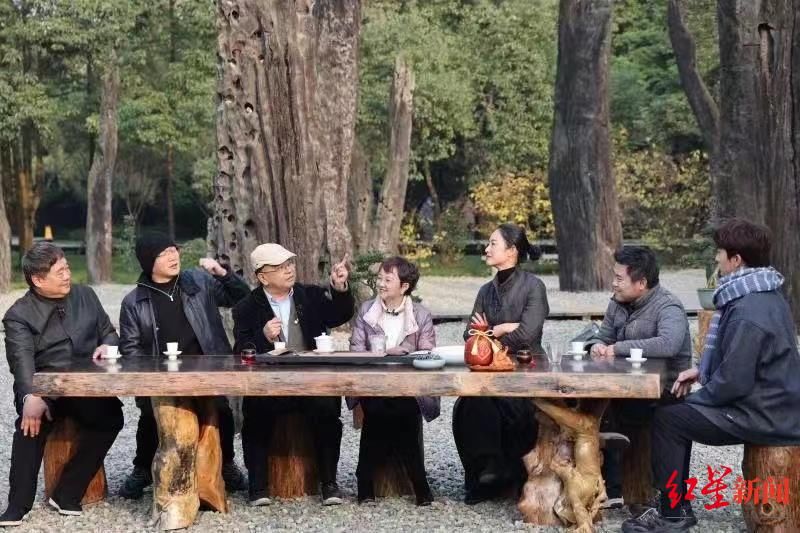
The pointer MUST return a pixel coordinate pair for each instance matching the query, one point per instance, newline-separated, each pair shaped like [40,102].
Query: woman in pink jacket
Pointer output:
[394,422]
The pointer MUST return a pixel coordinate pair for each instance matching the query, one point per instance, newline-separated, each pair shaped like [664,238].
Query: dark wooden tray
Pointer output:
[333,359]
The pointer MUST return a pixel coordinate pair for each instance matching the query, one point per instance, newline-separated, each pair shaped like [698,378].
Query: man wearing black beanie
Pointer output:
[183,307]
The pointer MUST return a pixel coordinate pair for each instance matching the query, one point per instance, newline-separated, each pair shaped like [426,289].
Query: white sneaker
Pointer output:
[61,510]
[613,503]
[260,502]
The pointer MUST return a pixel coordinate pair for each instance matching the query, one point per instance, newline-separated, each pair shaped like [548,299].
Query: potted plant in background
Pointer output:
[706,295]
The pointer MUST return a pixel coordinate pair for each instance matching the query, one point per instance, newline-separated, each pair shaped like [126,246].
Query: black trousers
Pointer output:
[147,432]
[99,420]
[621,416]
[260,412]
[501,430]
[392,428]
[675,428]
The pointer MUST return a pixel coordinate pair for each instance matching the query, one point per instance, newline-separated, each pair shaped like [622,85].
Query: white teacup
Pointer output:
[636,353]
[577,347]
[172,347]
[324,343]
[279,345]
[112,352]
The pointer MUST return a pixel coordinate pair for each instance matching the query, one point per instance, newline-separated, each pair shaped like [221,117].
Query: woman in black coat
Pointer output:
[492,434]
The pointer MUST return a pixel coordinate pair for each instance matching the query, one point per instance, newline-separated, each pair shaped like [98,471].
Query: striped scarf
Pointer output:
[732,287]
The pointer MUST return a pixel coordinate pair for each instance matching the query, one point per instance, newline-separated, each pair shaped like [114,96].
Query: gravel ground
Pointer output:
[400,514]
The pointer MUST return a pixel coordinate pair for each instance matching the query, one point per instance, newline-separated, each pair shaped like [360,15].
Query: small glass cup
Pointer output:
[377,344]
[554,353]
[524,357]
[248,356]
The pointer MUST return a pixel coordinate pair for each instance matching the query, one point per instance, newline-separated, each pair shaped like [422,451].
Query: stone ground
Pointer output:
[452,295]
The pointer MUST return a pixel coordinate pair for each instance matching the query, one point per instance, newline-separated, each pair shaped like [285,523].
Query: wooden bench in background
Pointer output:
[60,447]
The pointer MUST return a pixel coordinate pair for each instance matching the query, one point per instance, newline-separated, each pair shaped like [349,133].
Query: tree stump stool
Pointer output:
[391,476]
[292,463]
[187,467]
[703,323]
[60,447]
[637,475]
[774,505]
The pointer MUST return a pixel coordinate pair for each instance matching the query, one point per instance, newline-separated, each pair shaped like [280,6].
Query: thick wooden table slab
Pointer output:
[226,375]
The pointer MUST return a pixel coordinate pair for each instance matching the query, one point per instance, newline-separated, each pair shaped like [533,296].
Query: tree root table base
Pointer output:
[187,467]
[565,485]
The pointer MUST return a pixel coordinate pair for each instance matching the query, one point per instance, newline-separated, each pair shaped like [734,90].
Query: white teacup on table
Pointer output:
[576,347]
[324,343]
[112,352]
[637,357]
[172,352]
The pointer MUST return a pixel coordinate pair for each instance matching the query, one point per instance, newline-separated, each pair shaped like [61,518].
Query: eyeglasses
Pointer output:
[172,250]
[286,266]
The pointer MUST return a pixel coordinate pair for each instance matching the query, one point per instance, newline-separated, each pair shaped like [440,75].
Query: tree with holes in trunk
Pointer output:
[753,133]
[287,92]
[582,190]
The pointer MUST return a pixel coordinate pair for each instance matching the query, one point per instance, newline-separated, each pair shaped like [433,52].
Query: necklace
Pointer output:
[169,294]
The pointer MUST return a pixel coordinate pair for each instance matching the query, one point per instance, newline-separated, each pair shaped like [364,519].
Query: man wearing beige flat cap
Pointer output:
[280,310]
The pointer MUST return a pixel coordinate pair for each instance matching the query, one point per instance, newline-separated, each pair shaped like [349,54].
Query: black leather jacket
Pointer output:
[202,295]
[39,337]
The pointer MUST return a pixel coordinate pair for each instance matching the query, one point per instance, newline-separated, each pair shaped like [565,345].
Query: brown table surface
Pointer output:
[226,375]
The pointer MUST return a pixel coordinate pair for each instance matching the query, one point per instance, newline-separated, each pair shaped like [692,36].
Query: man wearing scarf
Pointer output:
[749,375]
[170,305]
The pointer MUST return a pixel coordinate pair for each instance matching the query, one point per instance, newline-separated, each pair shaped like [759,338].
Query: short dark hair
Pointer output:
[39,260]
[751,241]
[640,262]
[407,271]
[514,235]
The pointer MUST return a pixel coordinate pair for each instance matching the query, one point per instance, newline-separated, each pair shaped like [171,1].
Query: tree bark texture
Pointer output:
[61,446]
[703,106]
[389,215]
[763,513]
[360,200]
[187,467]
[29,172]
[582,189]
[101,174]
[5,228]
[292,463]
[287,91]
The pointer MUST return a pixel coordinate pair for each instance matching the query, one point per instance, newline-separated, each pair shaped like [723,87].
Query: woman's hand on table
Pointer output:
[504,329]
[397,350]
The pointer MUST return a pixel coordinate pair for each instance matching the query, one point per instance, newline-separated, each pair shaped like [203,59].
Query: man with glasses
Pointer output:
[53,323]
[168,305]
[281,310]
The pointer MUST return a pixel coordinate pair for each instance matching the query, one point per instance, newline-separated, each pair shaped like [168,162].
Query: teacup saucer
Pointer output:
[317,350]
[635,361]
[279,352]
[111,358]
[170,354]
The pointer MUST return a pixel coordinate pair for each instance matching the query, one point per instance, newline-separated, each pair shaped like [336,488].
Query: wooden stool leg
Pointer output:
[175,496]
[768,515]
[637,475]
[210,485]
[60,447]
[292,463]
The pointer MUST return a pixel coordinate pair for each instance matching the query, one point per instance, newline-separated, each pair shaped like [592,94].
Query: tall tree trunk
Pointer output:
[437,204]
[742,187]
[582,190]
[288,75]
[700,100]
[5,229]
[98,221]
[360,200]
[170,191]
[776,125]
[30,175]
[389,216]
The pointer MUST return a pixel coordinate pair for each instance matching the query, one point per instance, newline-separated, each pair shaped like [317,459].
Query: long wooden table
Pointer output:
[173,387]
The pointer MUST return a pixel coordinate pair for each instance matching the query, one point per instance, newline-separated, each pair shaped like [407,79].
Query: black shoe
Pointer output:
[652,521]
[13,517]
[491,474]
[366,491]
[66,509]
[331,495]
[135,483]
[235,480]
[424,497]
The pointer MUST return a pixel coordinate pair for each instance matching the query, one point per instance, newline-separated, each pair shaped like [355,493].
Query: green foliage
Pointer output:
[450,236]
[191,253]
[365,272]
[522,198]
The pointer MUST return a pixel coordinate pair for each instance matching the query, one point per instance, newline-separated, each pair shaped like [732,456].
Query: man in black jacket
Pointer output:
[173,306]
[750,372]
[280,310]
[51,324]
